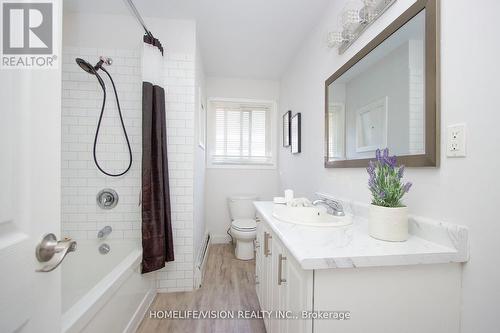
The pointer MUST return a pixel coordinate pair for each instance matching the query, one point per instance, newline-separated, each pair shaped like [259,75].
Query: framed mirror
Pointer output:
[387,95]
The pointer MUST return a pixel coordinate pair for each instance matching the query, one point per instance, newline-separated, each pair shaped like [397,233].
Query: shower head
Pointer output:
[86,66]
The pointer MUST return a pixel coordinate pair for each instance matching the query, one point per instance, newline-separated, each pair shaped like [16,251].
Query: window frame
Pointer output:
[211,131]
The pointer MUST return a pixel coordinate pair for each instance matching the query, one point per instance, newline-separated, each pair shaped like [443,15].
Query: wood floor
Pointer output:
[229,284]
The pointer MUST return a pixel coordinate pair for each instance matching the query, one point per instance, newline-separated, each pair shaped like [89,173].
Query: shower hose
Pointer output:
[101,82]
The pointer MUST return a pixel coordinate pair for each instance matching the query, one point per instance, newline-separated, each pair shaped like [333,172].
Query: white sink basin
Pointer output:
[310,216]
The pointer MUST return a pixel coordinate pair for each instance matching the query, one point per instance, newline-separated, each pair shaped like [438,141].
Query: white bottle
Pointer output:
[288,195]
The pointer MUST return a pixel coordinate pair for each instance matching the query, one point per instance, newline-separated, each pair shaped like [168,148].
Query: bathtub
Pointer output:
[104,292]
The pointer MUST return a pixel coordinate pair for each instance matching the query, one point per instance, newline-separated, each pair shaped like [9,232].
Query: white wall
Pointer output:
[222,183]
[89,36]
[462,191]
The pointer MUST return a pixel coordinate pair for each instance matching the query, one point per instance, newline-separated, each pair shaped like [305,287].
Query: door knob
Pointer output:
[50,248]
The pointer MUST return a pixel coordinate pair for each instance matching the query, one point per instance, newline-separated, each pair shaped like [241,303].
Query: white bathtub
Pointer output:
[104,293]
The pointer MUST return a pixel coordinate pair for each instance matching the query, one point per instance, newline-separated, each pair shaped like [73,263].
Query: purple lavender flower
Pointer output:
[371,169]
[394,161]
[407,187]
[385,180]
[401,171]
[384,159]
[371,172]
[371,165]
[390,161]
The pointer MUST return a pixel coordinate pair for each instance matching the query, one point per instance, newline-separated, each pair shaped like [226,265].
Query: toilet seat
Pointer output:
[244,224]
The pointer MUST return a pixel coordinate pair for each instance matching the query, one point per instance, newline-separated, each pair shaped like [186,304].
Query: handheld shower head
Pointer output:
[86,66]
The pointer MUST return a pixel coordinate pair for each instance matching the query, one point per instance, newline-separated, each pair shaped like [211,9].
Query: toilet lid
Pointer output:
[244,224]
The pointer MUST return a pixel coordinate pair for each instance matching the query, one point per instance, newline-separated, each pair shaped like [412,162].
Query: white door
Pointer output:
[30,131]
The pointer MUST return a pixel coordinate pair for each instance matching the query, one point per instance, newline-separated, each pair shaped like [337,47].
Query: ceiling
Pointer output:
[238,38]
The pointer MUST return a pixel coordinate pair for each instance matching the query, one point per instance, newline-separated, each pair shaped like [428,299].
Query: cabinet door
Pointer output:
[299,295]
[265,276]
[269,275]
[284,288]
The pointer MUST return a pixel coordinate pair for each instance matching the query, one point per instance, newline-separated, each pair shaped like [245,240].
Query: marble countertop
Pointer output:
[351,246]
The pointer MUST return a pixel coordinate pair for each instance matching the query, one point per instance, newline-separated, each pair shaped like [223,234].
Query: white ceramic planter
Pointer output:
[389,224]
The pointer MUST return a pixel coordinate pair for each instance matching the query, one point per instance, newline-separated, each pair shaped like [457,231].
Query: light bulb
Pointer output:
[350,15]
[367,14]
[334,39]
[347,35]
[370,3]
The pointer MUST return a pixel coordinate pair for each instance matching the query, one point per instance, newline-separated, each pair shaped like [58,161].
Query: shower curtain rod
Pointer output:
[139,18]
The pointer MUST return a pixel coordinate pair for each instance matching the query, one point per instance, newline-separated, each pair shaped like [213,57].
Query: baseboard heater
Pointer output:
[199,270]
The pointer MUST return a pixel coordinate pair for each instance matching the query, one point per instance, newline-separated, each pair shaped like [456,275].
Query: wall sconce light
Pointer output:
[355,18]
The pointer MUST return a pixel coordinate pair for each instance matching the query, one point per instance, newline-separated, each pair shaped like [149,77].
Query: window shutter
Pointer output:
[241,132]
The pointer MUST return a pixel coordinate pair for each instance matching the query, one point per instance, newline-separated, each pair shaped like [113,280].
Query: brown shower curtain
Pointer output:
[157,237]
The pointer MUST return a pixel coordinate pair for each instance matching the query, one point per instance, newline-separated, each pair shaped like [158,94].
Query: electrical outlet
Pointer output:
[455,144]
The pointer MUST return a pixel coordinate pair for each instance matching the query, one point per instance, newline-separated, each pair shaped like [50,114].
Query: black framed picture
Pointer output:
[287,118]
[295,133]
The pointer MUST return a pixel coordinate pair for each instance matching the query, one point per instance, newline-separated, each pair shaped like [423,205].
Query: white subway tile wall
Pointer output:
[416,97]
[81,180]
[179,83]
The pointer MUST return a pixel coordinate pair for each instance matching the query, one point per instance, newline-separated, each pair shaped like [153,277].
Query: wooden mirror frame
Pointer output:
[432,93]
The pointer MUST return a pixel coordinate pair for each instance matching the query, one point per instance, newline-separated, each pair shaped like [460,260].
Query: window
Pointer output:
[240,133]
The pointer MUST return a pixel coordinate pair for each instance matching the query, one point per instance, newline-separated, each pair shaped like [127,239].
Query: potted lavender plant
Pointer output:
[388,219]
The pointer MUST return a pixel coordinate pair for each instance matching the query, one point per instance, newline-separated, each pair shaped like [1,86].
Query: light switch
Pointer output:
[455,143]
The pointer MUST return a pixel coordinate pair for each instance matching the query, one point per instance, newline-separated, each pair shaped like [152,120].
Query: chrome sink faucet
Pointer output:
[104,232]
[334,207]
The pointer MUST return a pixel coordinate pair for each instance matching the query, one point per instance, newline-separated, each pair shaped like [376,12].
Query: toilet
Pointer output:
[243,225]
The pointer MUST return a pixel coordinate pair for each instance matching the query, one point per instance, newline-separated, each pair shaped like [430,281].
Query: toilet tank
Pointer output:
[241,206]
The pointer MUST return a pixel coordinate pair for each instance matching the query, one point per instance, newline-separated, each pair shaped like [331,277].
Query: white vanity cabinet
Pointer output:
[282,286]
[382,297]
